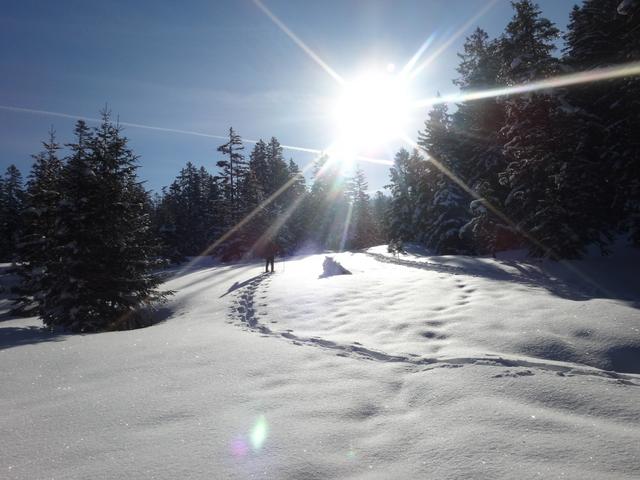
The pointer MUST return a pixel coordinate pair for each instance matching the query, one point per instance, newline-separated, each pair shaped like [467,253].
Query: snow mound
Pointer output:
[330,268]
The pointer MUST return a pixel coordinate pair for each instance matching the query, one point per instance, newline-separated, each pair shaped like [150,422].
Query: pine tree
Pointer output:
[278,173]
[296,212]
[599,35]
[447,212]
[361,229]
[11,204]
[476,125]
[329,205]
[533,139]
[380,207]
[98,276]
[39,221]
[189,214]
[232,169]
[410,189]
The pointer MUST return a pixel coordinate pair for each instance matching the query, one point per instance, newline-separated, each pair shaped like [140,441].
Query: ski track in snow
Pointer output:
[249,305]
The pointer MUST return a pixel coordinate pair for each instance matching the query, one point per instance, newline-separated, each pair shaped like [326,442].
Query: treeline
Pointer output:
[261,197]
[554,170]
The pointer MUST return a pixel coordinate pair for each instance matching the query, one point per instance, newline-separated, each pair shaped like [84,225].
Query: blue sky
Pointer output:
[206,65]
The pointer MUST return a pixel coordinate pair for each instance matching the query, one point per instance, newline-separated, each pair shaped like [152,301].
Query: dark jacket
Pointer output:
[268,249]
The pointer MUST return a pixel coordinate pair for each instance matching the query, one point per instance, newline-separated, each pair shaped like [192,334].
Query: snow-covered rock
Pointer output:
[330,268]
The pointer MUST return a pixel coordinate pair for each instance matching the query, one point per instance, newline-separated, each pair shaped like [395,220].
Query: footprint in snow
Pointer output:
[509,373]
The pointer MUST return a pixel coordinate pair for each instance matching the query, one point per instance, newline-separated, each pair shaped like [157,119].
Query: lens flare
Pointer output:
[597,75]
[298,41]
[259,433]
[239,448]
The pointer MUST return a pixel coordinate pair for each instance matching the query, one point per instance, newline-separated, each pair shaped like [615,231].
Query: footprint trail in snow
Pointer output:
[249,306]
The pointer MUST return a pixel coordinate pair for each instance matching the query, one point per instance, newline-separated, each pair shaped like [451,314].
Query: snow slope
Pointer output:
[416,367]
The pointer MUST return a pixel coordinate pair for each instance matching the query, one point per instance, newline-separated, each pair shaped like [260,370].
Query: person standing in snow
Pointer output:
[269,252]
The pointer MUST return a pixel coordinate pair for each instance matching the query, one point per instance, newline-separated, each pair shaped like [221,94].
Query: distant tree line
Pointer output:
[264,196]
[552,170]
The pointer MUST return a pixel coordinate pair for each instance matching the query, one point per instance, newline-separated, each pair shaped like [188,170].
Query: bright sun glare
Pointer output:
[372,110]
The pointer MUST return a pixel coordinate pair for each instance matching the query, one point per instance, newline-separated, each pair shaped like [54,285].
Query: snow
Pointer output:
[625,7]
[330,267]
[411,367]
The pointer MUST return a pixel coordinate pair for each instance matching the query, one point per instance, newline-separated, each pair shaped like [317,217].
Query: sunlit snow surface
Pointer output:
[415,367]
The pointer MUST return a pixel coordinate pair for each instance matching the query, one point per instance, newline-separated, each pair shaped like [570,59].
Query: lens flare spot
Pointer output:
[239,448]
[259,433]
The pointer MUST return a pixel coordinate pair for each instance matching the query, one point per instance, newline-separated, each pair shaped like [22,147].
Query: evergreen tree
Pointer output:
[601,35]
[410,189]
[189,214]
[39,221]
[297,210]
[329,205]
[380,207]
[232,169]
[98,276]
[533,138]
[448,211]
[476,125]
[11,204]
[362,232]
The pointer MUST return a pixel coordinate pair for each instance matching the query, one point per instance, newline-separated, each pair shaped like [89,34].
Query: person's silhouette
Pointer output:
[269,252]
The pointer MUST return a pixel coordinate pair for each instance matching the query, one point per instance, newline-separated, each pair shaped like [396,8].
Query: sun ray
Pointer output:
[416,56]
[254,212]
[596,75]
[303,46]
[433,57]
[277,225]
[345,230]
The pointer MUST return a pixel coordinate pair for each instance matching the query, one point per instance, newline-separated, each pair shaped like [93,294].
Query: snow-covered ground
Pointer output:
[410,367]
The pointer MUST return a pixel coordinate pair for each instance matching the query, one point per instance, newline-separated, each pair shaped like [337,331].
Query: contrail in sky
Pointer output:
[293,148]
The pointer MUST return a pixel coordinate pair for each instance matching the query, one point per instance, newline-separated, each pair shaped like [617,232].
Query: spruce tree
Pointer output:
[362,232]
[296,211]
[380,208]
[410,188]
[39,221]
[532,138]
[99,275]
[600,35]
[447,212]
[232,170]
[328,205]
[11,204]
[476,125]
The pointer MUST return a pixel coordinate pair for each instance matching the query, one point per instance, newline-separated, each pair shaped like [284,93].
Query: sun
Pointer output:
[371,111]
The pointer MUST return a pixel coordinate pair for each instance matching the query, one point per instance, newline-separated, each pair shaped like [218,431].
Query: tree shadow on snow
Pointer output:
[563,279]
[18,336]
